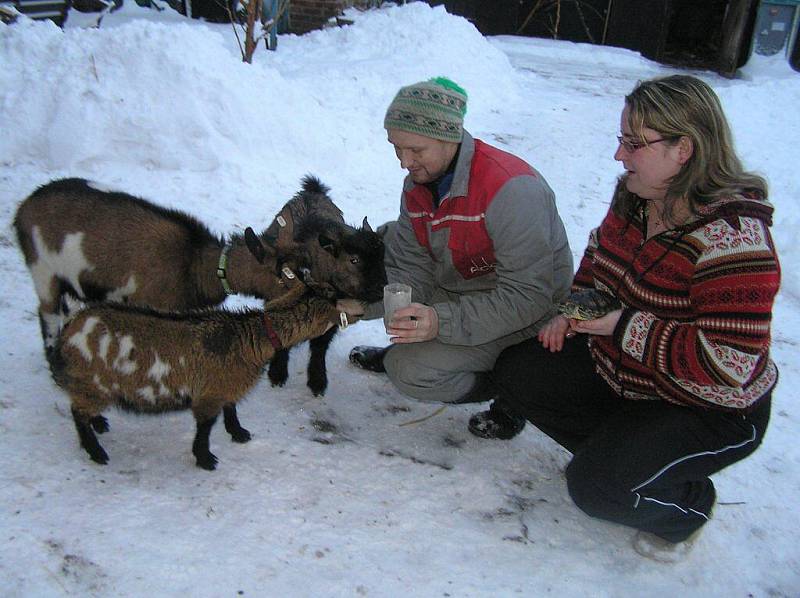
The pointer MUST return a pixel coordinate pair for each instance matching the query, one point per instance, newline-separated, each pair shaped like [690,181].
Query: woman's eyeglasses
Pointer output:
[635,146]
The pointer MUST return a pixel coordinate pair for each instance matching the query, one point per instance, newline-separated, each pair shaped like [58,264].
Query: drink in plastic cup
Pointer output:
[395,296]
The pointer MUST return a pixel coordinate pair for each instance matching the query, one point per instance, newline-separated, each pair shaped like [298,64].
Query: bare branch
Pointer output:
[234,21]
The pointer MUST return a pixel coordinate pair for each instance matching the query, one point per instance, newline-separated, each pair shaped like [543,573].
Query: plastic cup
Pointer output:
[395,296]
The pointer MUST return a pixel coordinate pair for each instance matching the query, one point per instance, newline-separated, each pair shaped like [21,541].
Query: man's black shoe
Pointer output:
[368,358]
[498,422]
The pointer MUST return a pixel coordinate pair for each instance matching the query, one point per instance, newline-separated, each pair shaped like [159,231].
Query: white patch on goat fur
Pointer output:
[120,293]
[157,372]
[102,347]
[67,263]
[99,384]
[182,361]
[146,393]
[52,328]
[123,363]
[80,340]
[159,369]
[184,391]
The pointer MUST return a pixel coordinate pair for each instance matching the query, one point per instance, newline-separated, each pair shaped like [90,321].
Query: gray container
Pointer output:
[776,26]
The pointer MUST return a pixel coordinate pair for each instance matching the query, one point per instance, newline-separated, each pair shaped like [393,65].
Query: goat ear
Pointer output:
[329,244]
[286,230]
[365,225]
[255,245]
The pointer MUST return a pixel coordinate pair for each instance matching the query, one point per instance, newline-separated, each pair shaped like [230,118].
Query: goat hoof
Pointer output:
[99,424]
[278,372]
[241,435]
[277,379]
[207,462]
[99,456]
[318,389]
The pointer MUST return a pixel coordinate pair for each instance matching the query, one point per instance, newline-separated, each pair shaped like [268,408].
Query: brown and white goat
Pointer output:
[152,362]
[83,241]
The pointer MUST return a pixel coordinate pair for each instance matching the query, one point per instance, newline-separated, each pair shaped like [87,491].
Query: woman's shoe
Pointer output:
[663,551]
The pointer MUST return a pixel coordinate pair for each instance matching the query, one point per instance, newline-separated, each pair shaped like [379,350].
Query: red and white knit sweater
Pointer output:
[697,306]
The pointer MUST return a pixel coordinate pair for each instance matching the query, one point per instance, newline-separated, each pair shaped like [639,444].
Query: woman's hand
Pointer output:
[414,324]
[600,327]
[553,333]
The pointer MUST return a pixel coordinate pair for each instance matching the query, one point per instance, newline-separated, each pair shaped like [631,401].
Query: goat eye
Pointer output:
[355,259]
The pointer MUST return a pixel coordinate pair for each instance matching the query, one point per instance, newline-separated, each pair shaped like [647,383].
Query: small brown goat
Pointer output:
[97,245]
[152,362]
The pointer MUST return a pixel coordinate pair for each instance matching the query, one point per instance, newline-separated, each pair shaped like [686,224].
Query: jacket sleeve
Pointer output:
[533,267]
[725,348]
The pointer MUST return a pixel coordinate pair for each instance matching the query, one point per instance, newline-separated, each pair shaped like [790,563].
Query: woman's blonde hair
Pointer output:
[684,106]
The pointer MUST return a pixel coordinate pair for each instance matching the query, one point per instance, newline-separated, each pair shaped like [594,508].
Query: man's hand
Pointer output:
[414,324]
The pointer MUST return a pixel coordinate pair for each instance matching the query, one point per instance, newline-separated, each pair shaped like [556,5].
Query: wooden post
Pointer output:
[254,12]
[734,29]
[275,15]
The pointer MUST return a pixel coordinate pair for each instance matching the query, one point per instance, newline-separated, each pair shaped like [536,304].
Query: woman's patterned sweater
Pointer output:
[697,306]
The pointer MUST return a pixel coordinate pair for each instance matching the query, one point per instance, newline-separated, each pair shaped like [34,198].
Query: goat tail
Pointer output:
[311,184]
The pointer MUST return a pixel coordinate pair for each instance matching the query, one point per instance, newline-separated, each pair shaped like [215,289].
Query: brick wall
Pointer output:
[305,15]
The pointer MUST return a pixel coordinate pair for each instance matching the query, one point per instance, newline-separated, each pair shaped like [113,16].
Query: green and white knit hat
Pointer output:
[433,108]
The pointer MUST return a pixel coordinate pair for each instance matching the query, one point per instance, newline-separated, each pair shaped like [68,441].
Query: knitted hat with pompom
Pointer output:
[433,108]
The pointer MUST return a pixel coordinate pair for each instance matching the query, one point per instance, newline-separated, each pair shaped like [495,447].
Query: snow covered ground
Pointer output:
[344,496]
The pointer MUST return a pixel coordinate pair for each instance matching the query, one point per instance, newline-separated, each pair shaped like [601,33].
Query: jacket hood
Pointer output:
[730,209]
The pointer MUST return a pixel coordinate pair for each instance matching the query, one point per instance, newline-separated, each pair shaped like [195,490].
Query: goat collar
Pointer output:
[222,269]
[271,334]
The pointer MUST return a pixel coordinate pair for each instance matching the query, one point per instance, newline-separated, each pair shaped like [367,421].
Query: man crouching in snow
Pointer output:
[479,241]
